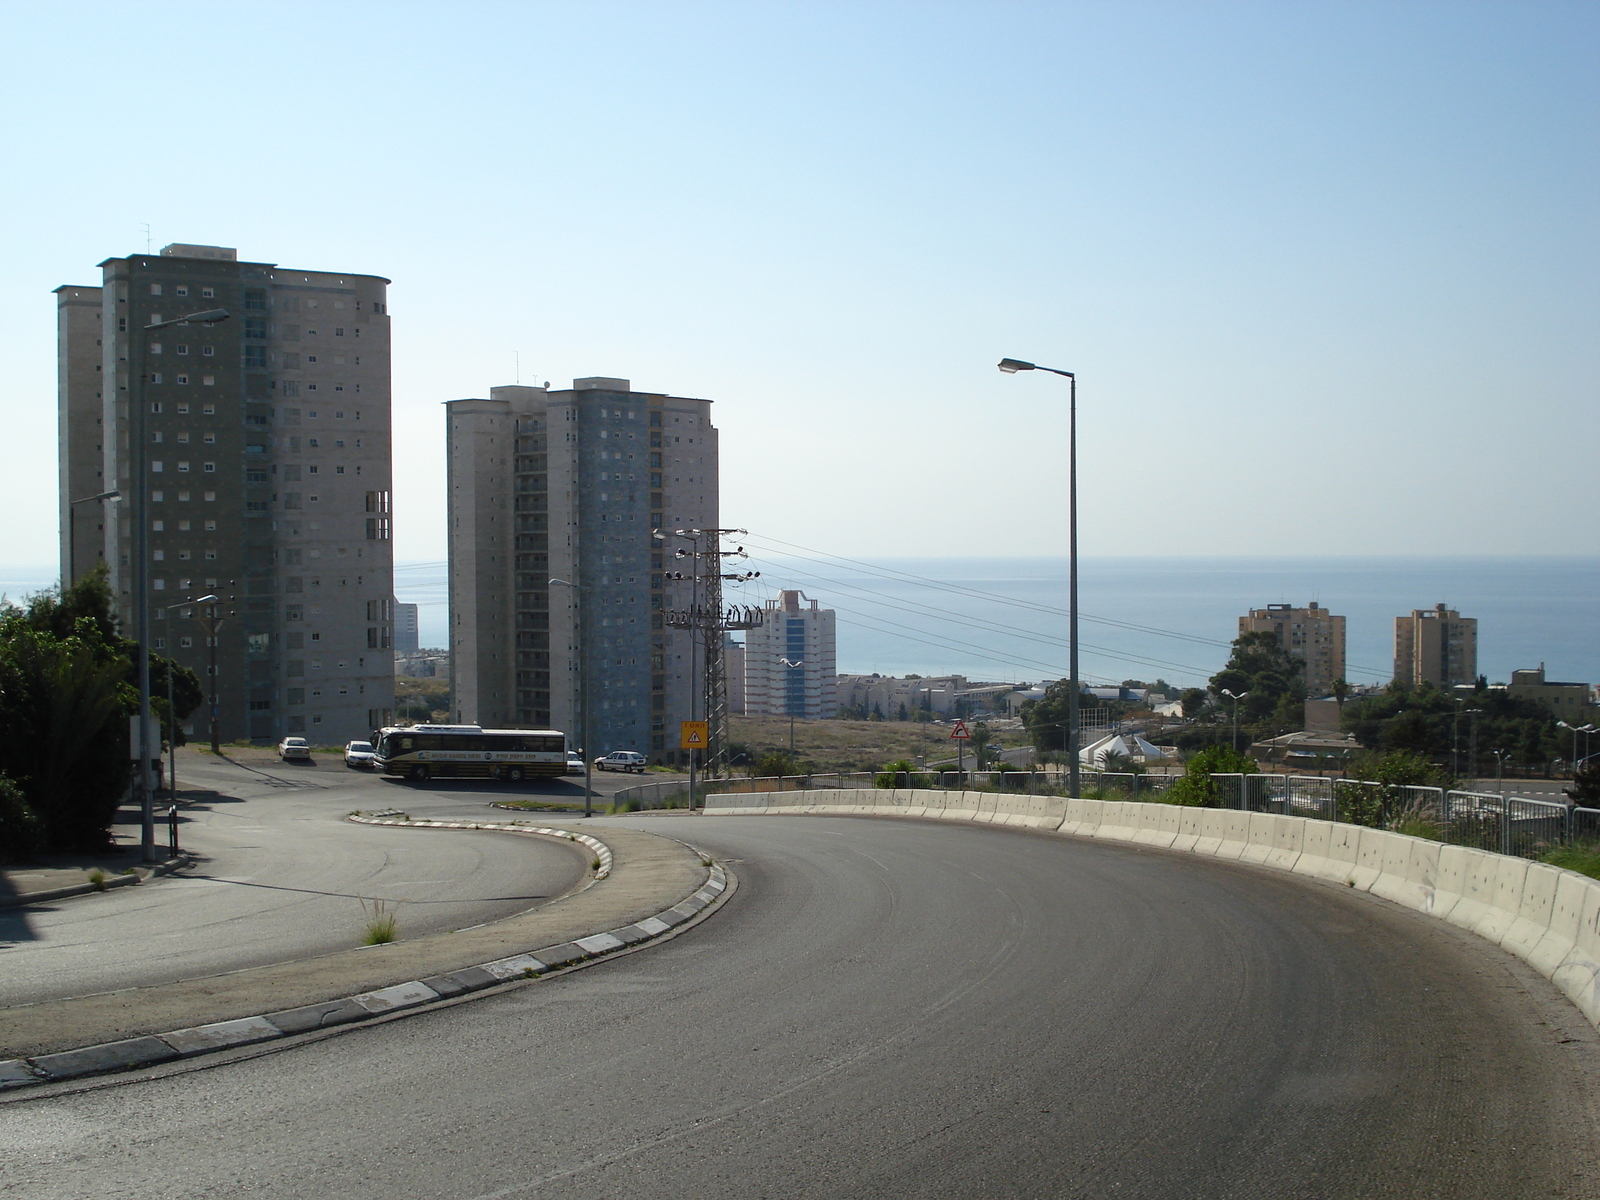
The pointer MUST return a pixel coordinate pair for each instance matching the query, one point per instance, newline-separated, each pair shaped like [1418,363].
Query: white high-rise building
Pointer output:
[789,660]
[267,460]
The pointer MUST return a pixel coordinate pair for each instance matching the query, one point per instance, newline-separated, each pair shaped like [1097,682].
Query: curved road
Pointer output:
[906,1009]
[281,875]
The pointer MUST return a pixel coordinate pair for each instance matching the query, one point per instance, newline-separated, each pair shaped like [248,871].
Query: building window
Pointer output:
[183,466]
[255,357]
[211,466]
[156,466]
[208,381]
[155,289]
[183,408]
[182,379]
[210,410]
[180,290]
[155,378]
[181,348]
[207,293]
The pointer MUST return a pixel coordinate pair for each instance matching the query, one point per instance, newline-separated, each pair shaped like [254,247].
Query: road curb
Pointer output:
[602,852]
[154,1049]
[24,899]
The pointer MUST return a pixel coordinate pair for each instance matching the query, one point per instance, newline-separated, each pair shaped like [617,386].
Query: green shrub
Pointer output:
[900,774]
[1583,859]
[21,831]
[1196,788]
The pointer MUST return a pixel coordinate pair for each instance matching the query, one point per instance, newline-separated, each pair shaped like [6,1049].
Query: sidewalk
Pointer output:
[56,876]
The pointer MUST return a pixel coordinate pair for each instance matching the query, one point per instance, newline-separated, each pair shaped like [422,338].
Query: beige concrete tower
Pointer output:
[1311,634]
[574,485]
[1435,645]
[267,451]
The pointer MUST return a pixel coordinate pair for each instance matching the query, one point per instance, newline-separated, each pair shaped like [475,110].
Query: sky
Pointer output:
[1326,271]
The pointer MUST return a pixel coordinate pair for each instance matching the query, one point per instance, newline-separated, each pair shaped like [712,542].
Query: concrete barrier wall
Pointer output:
[1544,915]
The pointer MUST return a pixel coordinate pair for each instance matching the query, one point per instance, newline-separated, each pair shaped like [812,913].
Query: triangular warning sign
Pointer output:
[695,739]
[960,731]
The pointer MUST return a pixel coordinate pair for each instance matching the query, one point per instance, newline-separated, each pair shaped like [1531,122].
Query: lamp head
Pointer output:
[1012,365]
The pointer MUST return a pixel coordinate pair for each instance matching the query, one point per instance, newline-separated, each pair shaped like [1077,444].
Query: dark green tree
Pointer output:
[1274,680]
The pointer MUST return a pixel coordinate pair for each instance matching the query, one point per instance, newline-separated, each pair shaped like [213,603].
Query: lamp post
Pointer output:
[172,713]
[1236,700]
[1011,366]
[1586,730]
[793,666]
[140,438]
[583,692]
[72,530]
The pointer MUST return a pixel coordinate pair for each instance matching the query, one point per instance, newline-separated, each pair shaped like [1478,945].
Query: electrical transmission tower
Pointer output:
[710,624]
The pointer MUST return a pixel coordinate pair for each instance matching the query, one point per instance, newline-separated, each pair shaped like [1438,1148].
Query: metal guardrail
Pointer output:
[1504,824]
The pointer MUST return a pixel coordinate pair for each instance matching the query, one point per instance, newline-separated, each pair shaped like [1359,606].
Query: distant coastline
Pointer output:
[1530,609]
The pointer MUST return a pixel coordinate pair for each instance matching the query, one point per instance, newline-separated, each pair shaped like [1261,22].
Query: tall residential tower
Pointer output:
[266,450]
[1311,634]
[789,660]
[1435,645]
[576,485]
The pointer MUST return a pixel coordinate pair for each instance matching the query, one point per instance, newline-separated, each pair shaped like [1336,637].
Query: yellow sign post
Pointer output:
[693,735]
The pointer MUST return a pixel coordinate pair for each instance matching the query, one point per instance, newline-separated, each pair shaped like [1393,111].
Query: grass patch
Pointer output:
[97,879]
[381,924]
[1583,859]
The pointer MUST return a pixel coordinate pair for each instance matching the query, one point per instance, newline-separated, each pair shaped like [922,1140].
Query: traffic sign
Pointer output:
[693,735]
[960,732]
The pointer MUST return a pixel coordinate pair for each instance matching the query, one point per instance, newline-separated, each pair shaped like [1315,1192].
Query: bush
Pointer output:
[1196,789]
[21,831]
[900,774]
[1583,859]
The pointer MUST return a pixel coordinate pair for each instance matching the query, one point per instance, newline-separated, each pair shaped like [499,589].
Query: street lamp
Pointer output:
[1586,730]
[72,530]
[172,713]
[1236,700]
[141,558]
[583,692]
[788,703]
[1011,366]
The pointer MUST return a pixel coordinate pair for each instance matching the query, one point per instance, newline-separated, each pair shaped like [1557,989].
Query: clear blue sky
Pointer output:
[1327,271]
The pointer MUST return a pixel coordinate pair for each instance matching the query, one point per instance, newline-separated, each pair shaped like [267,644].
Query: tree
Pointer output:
[774,764]
[1273,678]
[1194,702]
[1197,788]
[1585,789]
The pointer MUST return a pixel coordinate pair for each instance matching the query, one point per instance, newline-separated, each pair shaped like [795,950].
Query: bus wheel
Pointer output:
[514,774]
[419,773]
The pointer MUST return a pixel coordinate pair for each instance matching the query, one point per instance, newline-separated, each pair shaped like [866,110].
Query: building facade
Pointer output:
[1312,634]
[584,485]
[406,635]
[1435,645]
[796,630]
[266,445]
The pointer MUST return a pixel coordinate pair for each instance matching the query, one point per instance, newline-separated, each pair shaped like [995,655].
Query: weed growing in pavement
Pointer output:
[97,879]
[127,871]
[594,864]
[381,925]
[529,973]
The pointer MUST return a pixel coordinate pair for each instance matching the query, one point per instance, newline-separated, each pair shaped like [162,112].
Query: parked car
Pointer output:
[621,760]
[360,754]
[295,749]
[574,763]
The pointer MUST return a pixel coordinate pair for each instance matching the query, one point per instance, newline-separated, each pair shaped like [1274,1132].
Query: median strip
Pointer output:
[154,1048]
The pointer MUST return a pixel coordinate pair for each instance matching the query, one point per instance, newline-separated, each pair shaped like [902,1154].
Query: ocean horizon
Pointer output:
[1004,619]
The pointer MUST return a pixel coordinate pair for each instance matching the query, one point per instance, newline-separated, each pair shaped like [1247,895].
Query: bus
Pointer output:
[423,752]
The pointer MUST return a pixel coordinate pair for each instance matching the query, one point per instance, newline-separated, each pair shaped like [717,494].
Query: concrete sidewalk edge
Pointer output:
[153,1049]
[23,899]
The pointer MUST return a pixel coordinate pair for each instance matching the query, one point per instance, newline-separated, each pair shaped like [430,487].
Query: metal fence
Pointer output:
[1488,821]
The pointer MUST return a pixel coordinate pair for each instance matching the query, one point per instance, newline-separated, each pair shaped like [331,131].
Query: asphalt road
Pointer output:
[281,875]
[906,1009]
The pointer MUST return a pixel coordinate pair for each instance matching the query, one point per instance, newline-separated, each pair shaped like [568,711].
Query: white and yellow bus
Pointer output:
[423,752]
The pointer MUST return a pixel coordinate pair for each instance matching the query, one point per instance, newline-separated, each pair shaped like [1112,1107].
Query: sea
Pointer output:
[1145,618]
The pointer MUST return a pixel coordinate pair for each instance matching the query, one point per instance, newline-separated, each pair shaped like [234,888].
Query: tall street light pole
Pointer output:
[583,692]
[72,530]
[172,712]
[1236,700]
[1011,366]
[793,666]
[140,439]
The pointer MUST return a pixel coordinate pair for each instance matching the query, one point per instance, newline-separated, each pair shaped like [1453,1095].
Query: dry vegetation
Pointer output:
[848,745]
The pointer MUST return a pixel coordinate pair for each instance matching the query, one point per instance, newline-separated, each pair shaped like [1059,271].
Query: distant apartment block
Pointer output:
[1435,645]
[405,628]
[268,463]
[1312,634]
[574,485]
[789,660]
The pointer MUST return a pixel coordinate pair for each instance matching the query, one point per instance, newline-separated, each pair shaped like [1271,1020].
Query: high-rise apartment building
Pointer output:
[1311,634]
[576,485]
[266,455]
[789,660]
[407,639]
[1435,645]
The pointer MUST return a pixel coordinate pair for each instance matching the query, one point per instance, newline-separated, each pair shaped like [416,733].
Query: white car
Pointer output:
[360,754]
[294,748]
[574,764]
[622,760]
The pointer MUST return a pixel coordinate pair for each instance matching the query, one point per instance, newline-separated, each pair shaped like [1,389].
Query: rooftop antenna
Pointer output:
[146,227]
[518,354]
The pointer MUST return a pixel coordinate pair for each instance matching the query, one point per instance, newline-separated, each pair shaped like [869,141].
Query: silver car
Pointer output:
[294,749]
[360,755]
